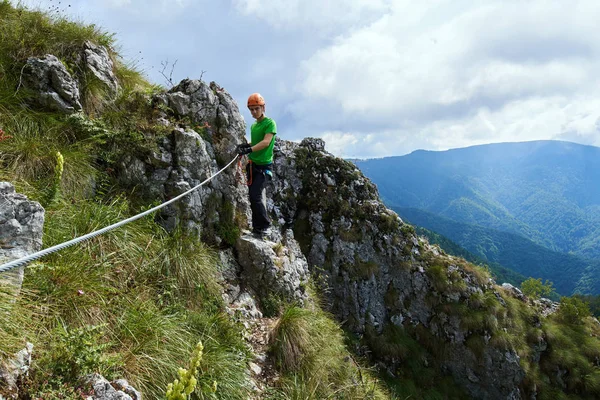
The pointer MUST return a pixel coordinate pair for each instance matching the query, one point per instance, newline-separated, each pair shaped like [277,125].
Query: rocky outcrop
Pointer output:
[274,269]
[102,389]
[328,222]
[211,109]
[381,279]
[378,276]
[21,225]
[52,86]
[187,156]
[13,370]
[97,62]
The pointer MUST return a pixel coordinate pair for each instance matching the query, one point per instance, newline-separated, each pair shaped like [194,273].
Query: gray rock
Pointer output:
[255,368]
[313,144]
[273,268]
[125,387]
[514,292]
[52,85]
[546,306]
[98,62]
[15,368]
[373,270]
[188,156]
[104,390]
[21,226]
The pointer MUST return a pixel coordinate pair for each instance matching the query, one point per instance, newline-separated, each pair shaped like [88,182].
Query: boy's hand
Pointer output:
[244,149]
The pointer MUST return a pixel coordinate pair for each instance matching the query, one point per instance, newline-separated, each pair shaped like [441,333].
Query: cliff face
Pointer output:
[382,280]
[379,278]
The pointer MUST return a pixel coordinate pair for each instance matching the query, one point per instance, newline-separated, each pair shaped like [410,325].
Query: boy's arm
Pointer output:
[263,143]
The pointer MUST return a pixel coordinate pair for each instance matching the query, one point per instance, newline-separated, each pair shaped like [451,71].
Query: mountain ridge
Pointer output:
[545,191]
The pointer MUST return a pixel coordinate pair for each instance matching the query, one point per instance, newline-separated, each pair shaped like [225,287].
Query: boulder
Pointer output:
[102,389]
[12,370]
[52,85]
[21,226]
[276,269]
[98,63]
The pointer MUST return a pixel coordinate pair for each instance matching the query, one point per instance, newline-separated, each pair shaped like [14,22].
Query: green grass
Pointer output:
[29,155]
[308,348]
[154,294]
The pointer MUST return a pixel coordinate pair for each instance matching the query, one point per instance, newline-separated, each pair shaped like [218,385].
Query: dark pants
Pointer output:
[260,219]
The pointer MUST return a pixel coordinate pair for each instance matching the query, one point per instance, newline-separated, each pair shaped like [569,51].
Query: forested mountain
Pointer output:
[547,191]
[533,207]
[569,273]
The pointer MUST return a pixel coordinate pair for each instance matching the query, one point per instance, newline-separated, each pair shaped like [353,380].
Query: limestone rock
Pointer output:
[12,370]
[373,267]
[97,61]
[104,390]
[514,292]
[53,87]
[125,387]
[271,268]
[21,226]
[211,107]
[187,157]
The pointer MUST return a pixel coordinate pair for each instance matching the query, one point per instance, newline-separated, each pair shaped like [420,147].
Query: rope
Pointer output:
[24,260]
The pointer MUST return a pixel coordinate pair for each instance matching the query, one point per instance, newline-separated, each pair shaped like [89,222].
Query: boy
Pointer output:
[260,154]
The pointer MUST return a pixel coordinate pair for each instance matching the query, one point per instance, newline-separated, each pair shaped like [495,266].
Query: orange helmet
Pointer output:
[256,99]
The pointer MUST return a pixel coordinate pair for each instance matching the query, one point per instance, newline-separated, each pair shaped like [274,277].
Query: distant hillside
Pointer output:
[547,191]
[500,273]
[569,273]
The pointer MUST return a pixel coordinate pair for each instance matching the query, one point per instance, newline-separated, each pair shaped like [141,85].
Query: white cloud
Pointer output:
[536,118]
[149,5]
[455,74]
[383,77]
[324,15]
[338,142]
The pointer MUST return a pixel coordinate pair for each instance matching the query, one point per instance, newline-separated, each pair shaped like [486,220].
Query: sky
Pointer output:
[377,78]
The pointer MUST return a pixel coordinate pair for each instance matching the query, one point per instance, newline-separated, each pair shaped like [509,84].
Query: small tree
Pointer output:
[534,288]
[573,310]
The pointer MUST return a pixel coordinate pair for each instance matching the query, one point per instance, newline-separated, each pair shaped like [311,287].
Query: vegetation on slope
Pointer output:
[570,274]
[499,273]
[558,352]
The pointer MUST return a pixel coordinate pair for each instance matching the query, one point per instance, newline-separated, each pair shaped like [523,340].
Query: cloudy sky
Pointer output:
[378,78]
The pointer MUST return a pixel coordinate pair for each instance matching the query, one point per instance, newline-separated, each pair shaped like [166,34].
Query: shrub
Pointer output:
[79,351]
[535,288]
[573,310]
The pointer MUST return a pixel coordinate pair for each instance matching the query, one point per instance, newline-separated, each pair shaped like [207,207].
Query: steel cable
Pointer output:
[27,259]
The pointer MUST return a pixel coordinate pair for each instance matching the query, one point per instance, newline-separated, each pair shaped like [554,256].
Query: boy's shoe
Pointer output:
[260,232]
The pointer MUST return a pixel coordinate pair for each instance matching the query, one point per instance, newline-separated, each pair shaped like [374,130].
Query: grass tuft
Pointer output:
[309,350]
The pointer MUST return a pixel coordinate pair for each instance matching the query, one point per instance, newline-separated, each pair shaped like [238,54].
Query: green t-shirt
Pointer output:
[258,130]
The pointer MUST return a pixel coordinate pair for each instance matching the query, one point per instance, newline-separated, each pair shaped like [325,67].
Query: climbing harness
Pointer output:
[239,172]
[24,260]
[249,169]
